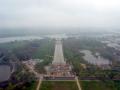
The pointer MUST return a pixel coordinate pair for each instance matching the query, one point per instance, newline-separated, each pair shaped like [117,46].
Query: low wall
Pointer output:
[59,78]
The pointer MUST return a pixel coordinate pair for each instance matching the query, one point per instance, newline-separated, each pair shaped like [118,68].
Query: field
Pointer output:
[59,85]
[31,86]
[100,85]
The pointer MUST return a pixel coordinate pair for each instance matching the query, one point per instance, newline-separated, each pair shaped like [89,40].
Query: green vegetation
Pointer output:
[117,84]
[25,50]
[72,47]
[45,49]
[100,85]
[41,49]
[92,44]
[45,52]
[13,45]
[22,86]
[22,79]
[58,85]
[30,86]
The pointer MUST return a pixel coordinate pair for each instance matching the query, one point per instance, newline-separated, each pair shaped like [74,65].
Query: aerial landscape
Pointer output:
[60,45]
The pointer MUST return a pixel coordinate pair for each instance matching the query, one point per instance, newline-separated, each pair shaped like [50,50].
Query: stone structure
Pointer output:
[59,69]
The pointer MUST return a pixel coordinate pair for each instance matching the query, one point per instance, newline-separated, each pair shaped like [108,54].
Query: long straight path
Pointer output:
[39,84]
[58,54]
[78,84]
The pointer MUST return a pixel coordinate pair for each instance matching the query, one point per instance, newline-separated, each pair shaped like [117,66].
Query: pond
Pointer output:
[5,72]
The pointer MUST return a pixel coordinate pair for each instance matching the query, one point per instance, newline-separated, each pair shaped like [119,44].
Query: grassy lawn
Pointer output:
[58,85]
[117,84]
[32,86]
[98,85]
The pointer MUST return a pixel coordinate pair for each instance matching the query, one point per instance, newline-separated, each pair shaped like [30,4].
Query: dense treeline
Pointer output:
[19,51]
[25,50]
[72,47]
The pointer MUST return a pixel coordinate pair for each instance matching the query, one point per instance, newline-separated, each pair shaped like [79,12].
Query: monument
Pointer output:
[59,69]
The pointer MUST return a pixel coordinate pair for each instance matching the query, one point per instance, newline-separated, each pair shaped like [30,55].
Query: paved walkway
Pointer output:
[78,84]
[39,76]
[58,54]
[39,84]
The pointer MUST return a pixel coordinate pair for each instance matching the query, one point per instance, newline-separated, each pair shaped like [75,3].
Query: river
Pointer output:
[11,39]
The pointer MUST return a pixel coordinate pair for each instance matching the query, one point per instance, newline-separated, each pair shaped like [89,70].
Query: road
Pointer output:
[39,76]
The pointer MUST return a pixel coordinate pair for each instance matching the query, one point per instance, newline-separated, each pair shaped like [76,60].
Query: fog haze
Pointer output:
[59,14]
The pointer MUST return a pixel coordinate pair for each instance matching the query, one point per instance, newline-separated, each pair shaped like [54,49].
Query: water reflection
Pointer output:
[5,72]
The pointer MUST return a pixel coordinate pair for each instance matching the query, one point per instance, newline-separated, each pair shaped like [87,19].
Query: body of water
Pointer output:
[11,39]
[5,72]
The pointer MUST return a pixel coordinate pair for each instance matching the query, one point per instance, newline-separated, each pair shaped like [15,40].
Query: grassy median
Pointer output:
[100,85]
[59,85]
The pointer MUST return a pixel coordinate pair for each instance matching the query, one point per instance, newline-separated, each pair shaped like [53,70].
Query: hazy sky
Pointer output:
[59,13]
